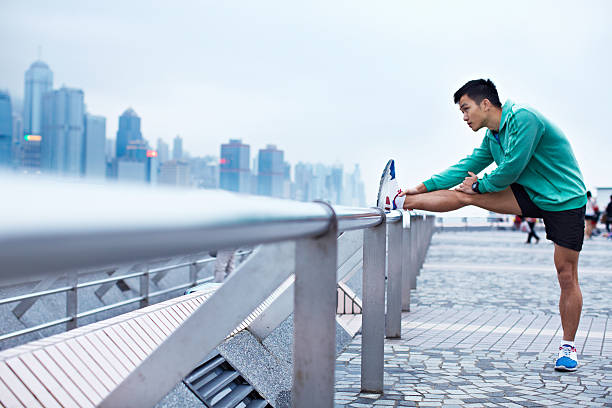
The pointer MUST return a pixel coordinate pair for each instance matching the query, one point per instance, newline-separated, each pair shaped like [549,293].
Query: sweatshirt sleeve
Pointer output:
[524,133]
[480,158]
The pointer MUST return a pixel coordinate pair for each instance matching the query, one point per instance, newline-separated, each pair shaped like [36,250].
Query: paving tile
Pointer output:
[491,340]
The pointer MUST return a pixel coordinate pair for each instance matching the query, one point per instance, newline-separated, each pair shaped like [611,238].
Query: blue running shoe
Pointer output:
[567,359]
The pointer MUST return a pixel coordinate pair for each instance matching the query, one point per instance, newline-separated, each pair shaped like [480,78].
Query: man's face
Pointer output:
[472,113]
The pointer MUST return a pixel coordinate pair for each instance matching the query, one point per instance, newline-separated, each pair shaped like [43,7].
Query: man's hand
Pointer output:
[466,186]
[414,190]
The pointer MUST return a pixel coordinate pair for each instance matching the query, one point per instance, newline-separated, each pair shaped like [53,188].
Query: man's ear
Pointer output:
[485,104]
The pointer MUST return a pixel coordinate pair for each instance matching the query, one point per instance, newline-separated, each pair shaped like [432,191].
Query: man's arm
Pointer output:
[480,158]
[524,133]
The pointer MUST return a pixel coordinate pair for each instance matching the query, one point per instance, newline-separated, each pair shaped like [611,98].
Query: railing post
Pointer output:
[406,260]
[422,242]
[414,250]
[431,229]
[193,273]
[373,314]
[144,288]
[393,318]
[72,300]
[314,319]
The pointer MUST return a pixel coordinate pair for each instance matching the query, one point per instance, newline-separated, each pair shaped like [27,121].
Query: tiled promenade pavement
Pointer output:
[484,329]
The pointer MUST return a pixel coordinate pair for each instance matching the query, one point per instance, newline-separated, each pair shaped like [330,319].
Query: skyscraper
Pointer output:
[17,137]
[62,131]
[303,182]
[177,148]
[94,146]
[234,173]
[271,172]
[6,129]
[335,185]
[129,130]
[175,173]
[30,153]
[38,81]
[162,151]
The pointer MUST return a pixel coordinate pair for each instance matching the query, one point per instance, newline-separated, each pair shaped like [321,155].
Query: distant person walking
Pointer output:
[590,215]
[531,222]
[608,215]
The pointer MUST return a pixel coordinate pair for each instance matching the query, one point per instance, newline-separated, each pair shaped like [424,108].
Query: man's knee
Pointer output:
[464,198]
[567,275]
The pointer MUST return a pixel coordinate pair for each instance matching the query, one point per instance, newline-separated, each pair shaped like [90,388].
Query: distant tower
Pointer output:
[234,172]
[62,131]
[38,81]
[6,130]
[271,172]
[129,131]
[94,147]
[162,151]
[17,138]
[177,148]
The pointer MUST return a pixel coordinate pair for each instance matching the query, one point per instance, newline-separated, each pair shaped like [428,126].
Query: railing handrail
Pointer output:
[76,222]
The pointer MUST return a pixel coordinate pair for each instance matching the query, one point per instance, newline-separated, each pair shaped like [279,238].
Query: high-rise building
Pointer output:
[205,171]
[271,171]
[152,167]
[6,130]
[30,156]
[303,182]
[235,174]
[355,189]
[17,137]
[110,149]
[129,130]
[162,151]
[131,171]
[335,185]
[38,81]
[136,150]
[175,173]
[177,148]
[62,131]
[94,147]
[288,186]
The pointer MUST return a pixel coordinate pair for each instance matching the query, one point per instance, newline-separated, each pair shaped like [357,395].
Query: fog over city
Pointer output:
[332,82]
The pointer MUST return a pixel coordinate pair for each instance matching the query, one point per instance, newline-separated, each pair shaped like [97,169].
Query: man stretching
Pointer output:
[537,176]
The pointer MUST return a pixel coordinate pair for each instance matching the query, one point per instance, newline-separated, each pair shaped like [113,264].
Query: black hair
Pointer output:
[588,194]
[479,89]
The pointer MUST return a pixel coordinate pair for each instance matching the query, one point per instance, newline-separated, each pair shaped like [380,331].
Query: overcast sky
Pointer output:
[330,81]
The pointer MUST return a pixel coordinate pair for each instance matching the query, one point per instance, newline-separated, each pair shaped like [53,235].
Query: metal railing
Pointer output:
[72,306]
[82,226]
[499,221]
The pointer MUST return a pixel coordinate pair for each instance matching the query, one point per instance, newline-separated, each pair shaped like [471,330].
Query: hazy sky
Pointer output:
[330,81]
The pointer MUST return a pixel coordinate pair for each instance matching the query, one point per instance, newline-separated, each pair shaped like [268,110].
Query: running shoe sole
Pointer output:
[565,369]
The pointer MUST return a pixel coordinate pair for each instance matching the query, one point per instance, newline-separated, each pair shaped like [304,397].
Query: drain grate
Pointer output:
[218,385]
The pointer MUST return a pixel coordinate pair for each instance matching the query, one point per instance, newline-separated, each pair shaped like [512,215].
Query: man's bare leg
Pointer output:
[502,202]
[570,302]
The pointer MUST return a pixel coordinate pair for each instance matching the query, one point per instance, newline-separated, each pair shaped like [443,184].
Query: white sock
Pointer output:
[393,190]
[569,343]
[399,202]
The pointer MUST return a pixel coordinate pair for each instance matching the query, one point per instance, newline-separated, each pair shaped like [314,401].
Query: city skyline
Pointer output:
[66,140]
[331,82]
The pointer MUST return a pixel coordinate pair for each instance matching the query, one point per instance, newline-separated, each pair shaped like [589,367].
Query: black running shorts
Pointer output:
[564,228]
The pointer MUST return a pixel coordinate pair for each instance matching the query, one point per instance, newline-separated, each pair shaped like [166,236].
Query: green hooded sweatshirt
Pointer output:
[532,152]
